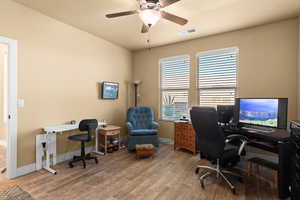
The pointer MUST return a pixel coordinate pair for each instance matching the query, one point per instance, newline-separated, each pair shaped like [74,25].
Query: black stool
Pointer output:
[88,125]
[258,163]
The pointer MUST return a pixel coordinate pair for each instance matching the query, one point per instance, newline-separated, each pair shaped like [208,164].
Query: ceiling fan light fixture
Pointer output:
[150,16]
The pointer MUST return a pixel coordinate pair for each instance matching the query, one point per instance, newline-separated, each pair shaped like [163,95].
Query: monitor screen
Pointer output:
[262,112]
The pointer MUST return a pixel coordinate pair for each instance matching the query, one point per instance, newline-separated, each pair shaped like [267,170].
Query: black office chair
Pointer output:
[212,143]
[90,126]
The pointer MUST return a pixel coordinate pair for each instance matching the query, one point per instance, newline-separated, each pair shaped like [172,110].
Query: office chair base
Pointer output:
[219,173]
[82,159]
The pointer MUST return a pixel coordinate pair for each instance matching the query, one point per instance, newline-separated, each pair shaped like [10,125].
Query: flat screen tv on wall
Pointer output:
[110,90]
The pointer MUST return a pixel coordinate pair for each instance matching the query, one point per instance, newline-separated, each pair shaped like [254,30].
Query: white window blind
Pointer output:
[174,86]
[217,77]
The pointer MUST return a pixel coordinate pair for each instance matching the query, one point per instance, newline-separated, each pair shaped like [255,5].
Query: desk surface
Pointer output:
[65,127]
[276,136]
[262,140]
[110,128]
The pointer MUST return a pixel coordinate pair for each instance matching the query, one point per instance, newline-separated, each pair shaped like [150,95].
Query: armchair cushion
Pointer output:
[155,125]
[129,125]
[141,132]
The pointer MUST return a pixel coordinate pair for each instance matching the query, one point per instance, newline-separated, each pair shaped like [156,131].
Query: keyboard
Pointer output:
[258,129]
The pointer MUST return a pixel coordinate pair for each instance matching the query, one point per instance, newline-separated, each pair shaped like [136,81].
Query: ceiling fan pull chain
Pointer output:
[148,41]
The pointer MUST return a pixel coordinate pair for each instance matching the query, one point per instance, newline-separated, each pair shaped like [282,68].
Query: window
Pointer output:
[217,77]
[174,86]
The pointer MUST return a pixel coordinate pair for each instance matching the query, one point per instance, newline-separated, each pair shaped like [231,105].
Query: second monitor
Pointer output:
[267,112]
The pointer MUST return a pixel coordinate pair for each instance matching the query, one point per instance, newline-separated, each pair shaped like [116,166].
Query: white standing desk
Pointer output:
[49,140]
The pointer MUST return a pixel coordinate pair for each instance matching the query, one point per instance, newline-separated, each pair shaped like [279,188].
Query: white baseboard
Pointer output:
[25,170]
[61,158]
[166,140]
[69,155]
[3,143]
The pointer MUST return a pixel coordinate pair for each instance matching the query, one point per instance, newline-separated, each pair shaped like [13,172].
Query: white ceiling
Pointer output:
[206,16]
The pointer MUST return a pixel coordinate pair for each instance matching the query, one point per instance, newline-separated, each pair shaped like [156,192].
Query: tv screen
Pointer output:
[110,90]
[263,112]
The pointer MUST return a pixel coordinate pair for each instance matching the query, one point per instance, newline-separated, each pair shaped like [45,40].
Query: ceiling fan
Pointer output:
[150,12]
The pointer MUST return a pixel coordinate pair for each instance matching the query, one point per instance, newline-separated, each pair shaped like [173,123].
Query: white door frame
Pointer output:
[11,151]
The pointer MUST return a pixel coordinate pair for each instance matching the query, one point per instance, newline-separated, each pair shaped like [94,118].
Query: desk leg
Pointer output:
[97,144]
[119,141]
[105,144]
[48,153]
[47,167]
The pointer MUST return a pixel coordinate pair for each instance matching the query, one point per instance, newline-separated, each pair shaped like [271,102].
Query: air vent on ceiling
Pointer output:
[187,32]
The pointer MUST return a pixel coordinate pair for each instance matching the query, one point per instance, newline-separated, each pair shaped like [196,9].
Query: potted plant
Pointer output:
[169,107]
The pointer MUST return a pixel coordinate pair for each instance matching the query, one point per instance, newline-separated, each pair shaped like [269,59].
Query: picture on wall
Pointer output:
[110,90]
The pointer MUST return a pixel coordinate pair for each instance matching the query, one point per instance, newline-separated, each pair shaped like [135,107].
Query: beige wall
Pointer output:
[298,72]
[3,55]
[59,68]
[267,68]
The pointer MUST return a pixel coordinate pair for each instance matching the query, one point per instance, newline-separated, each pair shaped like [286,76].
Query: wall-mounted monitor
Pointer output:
[110,90]
[268,112]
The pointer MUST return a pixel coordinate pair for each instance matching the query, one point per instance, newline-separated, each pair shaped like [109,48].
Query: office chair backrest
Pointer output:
[210,137]
[88,125]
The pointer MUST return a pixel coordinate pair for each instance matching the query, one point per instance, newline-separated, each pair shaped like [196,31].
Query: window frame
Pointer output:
[212,52]
[161,90]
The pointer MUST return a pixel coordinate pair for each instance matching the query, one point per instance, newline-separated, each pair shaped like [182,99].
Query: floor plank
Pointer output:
[2,161]
[120,176]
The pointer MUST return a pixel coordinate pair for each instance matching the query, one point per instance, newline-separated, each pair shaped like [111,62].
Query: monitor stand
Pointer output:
[252,128]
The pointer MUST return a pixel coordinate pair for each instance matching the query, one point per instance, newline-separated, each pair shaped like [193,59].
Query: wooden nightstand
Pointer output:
[185,137]
[108,132]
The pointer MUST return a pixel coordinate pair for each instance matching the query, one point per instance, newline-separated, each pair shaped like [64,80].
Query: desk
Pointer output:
[274,142]
[262,140]
[48,141]
[110,131]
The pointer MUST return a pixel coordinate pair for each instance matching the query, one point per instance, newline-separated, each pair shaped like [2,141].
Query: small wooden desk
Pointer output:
[107,132]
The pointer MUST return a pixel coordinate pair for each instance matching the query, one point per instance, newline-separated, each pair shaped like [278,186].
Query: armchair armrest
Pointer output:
[129,125]
[155,125]
[244,140]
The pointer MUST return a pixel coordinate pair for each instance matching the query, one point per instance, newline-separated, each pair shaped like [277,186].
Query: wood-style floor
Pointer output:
[169,175]
[2,156]
[2,161]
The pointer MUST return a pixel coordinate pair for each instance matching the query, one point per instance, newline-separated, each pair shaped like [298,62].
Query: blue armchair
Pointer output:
[142,129]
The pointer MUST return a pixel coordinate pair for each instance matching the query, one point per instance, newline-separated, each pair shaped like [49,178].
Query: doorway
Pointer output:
[3,108]
[8,107]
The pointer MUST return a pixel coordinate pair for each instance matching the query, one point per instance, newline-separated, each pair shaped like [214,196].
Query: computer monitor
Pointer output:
[225,113]
[267,112]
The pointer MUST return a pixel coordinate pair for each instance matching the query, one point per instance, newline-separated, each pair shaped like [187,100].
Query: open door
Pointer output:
[8,104]
[3,108]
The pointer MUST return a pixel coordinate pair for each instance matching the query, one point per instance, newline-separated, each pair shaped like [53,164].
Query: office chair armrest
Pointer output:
[155,125]
[229,138]
[244,140]
[129,125]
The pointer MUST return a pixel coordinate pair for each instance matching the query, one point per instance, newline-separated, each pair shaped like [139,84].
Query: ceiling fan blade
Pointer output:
[120,14]
[173,18]
[145,28]
[166,3]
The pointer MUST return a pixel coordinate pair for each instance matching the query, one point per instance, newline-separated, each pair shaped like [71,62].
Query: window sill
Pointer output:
[167,120]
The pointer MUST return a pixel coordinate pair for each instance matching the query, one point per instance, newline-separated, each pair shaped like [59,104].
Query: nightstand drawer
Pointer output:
[185,137]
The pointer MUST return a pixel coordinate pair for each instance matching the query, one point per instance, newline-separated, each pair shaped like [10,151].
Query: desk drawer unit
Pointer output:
[185,137]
